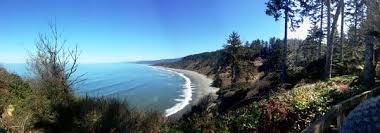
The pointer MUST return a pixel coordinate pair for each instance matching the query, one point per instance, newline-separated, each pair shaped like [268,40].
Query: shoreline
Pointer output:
[200,87]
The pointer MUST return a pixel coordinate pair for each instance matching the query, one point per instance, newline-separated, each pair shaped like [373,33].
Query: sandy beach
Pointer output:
[201,85]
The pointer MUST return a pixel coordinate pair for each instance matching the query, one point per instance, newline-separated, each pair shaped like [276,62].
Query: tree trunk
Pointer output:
[356,22]
[297,55]
[233,67]
[321,31]
[355,40]
[342,32]
[369,72]
[284,67]
[330,37]
[329,45]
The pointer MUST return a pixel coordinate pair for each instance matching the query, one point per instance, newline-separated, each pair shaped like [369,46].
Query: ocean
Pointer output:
[143,86]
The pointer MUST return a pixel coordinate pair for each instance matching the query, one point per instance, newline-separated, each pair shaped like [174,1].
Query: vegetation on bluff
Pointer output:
[279,85]
[252,98]
[45,103]
[265,104]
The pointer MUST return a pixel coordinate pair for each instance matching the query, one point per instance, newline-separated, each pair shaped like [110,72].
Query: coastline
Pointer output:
[200,87]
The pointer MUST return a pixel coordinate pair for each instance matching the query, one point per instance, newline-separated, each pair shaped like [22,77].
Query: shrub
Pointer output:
[242,120]
[352,91]
[25,108]
[22,106]
[346,79]
[103,115]
[309,101]
[304,96]
[275,111]
[249,119]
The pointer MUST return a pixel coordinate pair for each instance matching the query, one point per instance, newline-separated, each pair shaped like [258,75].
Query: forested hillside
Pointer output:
[283,85]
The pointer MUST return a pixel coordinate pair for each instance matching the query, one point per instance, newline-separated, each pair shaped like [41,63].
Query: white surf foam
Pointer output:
[184,99]
[187,94]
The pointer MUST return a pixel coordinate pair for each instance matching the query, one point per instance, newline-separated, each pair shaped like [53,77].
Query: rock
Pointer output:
[365,118]
[9,110]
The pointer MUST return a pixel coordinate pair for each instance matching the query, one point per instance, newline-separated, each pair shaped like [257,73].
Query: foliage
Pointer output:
[245,119]
[310,101]
[344,79]
[279,8]
[309,95]
[103,115]
[33,110]
[25,104]
[275,111]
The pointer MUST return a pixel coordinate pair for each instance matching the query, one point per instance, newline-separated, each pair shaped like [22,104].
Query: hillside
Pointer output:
[216,66]
[252,96]
[205,63]
[152,62]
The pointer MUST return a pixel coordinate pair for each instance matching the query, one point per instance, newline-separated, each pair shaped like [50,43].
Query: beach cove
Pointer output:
[196,87]
[170,91]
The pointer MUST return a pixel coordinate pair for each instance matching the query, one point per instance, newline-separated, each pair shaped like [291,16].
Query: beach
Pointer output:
[200,86]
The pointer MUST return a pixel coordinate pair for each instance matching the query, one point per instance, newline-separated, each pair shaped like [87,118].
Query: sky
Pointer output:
[130,30]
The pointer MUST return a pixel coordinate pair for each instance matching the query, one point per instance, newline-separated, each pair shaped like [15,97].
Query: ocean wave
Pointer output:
[185,97]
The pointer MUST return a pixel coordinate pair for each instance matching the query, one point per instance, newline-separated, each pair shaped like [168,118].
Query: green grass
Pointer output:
[344,78]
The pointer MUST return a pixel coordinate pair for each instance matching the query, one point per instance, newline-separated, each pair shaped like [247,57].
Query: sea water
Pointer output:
[143,86]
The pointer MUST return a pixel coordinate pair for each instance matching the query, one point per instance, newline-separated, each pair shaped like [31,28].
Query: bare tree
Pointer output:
[53,64]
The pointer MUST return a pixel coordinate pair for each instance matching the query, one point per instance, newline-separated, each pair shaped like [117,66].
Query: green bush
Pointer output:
[344,79]
[305,96]
[248,120]
[25,104]
[275,109]
[102,115]
[310,101]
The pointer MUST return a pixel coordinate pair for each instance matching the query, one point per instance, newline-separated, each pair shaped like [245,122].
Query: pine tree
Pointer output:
[354,16]
[314,9]
[290,11]
[233,45]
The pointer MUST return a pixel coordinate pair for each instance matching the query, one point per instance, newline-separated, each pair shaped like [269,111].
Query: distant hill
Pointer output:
[153,62]
[216,66]
[204,63]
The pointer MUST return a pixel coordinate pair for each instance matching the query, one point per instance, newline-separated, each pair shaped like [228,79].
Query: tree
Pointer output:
[342,31]
[288,8]
[257,46]
[310,41]
[330,36]
[354,16]
[314,9]
[321,30]
[53,65]
[232,50]
[372,30]
[369,69]
[274,53]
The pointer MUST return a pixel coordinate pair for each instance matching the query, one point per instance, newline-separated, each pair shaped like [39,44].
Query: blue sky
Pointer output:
[128,30]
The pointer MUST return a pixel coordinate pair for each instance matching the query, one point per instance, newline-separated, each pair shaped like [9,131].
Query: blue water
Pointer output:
[143,86]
